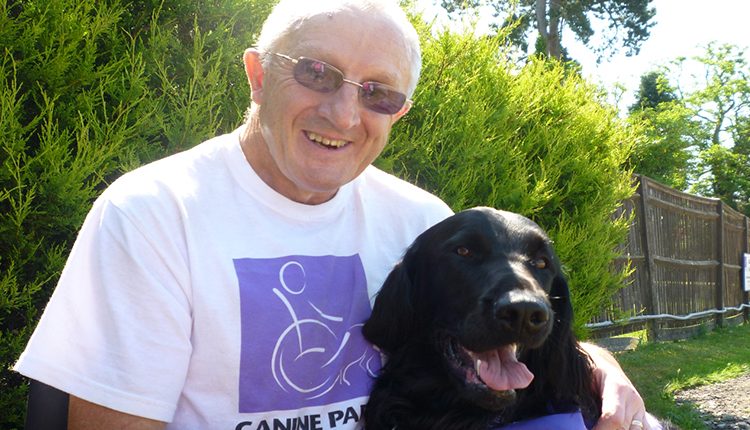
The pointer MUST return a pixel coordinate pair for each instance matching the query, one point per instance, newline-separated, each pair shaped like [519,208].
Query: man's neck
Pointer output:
[257,154]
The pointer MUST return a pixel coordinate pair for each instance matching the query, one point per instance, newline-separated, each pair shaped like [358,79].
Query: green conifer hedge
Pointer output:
[535,139]
[88,90]
[91,89]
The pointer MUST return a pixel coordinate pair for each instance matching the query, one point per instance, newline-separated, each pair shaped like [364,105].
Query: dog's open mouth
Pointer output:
[497,369]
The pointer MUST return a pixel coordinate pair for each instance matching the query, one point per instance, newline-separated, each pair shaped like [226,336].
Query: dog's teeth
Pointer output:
[477,363]
[514,349]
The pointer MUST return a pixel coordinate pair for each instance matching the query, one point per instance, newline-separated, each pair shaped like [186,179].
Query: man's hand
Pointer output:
[622,406]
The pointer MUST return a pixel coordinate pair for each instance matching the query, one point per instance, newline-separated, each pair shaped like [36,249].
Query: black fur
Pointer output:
[482,279]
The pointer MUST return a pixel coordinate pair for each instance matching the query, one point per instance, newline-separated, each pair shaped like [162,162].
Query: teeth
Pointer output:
[325,141]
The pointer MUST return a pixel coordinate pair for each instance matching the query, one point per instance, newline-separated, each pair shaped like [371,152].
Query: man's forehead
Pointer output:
[381,43]
[334,21]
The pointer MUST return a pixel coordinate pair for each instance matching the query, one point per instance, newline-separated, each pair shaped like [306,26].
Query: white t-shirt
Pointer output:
[198,295]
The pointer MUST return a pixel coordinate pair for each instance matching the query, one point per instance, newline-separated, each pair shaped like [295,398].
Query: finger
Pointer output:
[637,416]
[611,421]
[617,421]
[638,423]
[651,423]
[615,415]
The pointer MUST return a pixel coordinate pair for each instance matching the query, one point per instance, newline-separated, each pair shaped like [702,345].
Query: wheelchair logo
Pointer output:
[311,316]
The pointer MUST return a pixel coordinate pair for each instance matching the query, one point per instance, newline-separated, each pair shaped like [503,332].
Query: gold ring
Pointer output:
[636,423]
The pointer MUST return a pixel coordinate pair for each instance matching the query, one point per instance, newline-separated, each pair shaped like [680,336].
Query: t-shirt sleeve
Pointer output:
[117,329]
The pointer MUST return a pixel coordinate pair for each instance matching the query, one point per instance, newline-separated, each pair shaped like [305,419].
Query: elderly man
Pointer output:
[225,287]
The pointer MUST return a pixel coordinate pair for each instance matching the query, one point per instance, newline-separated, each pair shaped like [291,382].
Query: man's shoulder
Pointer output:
[396,187]
[190,160]
[176,178]
[404,198]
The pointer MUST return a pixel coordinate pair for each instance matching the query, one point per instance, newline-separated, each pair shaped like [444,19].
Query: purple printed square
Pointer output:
[302,344]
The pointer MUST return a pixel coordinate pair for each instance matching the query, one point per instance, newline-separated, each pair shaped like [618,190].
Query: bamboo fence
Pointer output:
[686,256]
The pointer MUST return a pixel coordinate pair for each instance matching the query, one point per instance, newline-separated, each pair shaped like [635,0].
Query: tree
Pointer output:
[653,91]
[729,176]
[719,98]
[698,108]
[665,148]
[741,149]
[741,136]
[628,22]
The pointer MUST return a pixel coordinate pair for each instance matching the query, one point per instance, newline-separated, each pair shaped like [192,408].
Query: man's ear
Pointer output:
[402,112]
[254,72]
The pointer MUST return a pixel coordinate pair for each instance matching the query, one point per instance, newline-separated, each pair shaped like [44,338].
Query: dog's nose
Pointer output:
[526,316]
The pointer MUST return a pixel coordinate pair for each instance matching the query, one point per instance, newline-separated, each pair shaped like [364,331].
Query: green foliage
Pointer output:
[717,101]
[628,22]
[535,141]
[664,152]
[730,176]
[653,91]
[89,90]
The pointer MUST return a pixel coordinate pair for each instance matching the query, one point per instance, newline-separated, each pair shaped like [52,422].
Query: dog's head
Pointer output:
[481,289]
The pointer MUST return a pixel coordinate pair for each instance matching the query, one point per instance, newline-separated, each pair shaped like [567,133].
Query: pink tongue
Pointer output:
[501,371]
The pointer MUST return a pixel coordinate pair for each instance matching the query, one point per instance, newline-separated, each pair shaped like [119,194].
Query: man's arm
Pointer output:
[83,415]
[621,403]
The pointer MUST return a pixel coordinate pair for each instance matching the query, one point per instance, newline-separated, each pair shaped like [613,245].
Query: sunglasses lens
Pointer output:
[381,98]
[317,75]
[322,77]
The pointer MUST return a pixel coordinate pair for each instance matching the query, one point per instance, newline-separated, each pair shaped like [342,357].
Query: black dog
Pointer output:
[476,309]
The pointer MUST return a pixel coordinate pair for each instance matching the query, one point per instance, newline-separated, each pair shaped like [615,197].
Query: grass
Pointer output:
[659,370]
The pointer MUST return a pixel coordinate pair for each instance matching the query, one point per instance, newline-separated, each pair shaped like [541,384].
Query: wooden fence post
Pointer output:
[720,270]
[652,328]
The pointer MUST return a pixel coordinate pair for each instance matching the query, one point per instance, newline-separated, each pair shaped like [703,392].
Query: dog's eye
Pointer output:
[463,251]
[540,263]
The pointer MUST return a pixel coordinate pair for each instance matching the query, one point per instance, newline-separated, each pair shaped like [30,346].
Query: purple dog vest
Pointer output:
[564,421]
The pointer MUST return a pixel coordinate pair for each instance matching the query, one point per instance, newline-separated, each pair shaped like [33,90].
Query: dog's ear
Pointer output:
[559,365]
[578,366]
[561,305]
[561,342]
[393,314]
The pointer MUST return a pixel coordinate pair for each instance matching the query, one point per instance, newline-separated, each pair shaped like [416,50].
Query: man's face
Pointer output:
[316,142]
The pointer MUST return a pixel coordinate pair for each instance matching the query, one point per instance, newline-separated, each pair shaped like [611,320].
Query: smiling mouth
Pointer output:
[326,142]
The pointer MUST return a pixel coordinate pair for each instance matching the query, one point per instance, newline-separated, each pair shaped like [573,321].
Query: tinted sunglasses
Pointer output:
[324,78]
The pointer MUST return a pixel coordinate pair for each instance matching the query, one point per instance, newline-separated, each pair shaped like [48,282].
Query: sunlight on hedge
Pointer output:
[535,139]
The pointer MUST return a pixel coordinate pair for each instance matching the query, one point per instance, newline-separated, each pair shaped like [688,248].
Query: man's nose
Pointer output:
[342,107]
